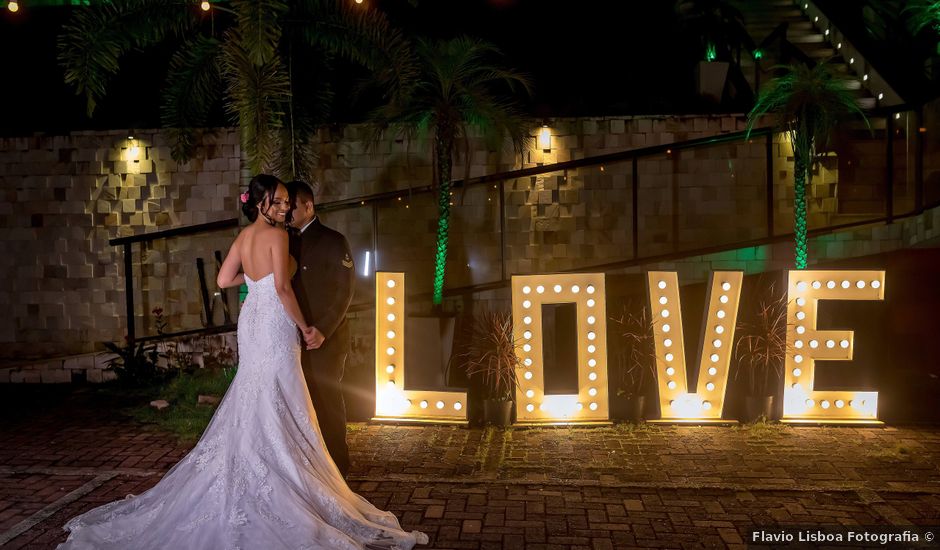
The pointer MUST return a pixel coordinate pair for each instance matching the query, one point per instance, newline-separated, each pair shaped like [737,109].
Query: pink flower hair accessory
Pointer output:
[244,197]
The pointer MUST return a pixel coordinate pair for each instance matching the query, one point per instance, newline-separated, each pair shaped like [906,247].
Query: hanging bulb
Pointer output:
[13,6]
[205,5]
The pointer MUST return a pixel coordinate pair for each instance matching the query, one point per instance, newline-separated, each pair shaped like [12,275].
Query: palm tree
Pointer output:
[265,59]
[460,89]
[808,103]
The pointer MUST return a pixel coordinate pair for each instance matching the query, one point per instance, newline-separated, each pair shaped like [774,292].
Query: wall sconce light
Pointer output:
[545,139]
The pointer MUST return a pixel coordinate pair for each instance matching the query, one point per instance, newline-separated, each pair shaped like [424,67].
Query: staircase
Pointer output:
[763,17]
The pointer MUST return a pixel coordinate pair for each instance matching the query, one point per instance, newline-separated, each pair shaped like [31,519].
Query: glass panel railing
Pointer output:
[356,225]
[595,209]
[657,206]
[904,143]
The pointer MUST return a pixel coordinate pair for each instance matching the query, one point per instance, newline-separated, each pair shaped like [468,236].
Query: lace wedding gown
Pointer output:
[260,477]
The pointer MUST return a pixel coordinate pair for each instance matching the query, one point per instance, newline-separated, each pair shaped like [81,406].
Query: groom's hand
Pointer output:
[316,338]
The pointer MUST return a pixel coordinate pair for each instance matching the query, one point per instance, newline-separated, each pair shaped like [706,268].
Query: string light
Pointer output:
[205,5]
[13,6]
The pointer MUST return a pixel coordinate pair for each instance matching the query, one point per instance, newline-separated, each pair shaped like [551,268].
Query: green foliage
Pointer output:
[137,365]
[185,418]
[923,14]
[193,86]
[761,348]
[716,24]
[492,355]
[636,353]
[449,91]
[807,103]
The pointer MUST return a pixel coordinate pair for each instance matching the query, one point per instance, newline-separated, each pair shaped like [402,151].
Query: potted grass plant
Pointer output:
[636,363]
[491,355]
[760,354]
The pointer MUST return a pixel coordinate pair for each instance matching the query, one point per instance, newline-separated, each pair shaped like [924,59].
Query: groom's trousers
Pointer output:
[323,369]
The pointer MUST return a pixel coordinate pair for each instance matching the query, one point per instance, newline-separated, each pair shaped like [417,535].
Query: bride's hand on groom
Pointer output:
[313,338]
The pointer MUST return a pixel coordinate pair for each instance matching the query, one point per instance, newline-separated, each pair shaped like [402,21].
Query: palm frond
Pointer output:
[259,27]
[94,40]
[193,86]
[923,14]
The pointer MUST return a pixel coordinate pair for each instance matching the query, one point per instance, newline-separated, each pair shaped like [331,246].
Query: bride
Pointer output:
[260,476]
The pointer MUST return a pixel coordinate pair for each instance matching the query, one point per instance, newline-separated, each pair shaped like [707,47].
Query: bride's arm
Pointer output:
[281,261]
[228,273]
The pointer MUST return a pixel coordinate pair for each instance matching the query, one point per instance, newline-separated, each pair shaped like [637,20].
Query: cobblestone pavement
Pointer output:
[535,488]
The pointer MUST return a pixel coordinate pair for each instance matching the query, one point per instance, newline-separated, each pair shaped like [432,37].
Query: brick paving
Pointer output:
[595,488]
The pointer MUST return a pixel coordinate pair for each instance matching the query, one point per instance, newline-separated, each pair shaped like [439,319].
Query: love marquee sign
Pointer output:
[806,343]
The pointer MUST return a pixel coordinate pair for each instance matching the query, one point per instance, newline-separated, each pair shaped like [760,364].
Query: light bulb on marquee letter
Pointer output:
[677,403]
[801,401]
[592,347]
[392,401]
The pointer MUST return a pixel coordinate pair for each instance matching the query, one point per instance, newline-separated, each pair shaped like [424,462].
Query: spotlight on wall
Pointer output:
[545,138]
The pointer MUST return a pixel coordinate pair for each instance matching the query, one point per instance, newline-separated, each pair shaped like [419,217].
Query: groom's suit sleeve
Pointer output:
[344,274]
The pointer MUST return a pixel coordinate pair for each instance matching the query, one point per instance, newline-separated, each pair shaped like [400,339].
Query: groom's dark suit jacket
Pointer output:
[323,284]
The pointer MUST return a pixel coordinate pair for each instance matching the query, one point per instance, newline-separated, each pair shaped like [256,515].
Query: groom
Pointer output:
[323,284]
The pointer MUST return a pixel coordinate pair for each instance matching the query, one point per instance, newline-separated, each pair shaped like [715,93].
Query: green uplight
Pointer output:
[711,52]
[242,293]
[758,55]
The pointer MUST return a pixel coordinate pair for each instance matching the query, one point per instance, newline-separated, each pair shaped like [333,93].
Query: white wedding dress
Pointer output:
[260,477]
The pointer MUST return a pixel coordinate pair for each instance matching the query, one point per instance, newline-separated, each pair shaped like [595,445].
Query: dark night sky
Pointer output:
[586,58]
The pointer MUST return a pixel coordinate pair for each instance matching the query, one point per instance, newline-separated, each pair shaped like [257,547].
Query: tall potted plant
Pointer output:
[491,355]
[808,103]
[719,29]
[760,353]
[636,363]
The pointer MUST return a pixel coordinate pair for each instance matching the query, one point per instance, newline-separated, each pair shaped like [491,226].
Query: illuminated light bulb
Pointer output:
[846,284]
[527,362]
[390,369]
[860,284]
[390,350]
[816,19]
[716,342]
[720,314]
[706,405]
[880,97]
[797,372]
[13,6]
[726,286]
[825,404]
[723,299]
[670,371]
[714,358]
[592,348]
[540,289]
[851,60]
[897,116]
[579,406]
[817,285]
[669,357]
[526,304]
[527,335]
[390,301]
[844,344]
[440,404]
[593,406]
[592,392]
[830,344]
[591,335]
[530,393]
[710,386]
[423,404]
[801,301]
[798,344]
[526,348]
[798,358]
[840,403]
[661,285]
[557,289]
[865,77]
[390,283]
[712,371]
[591,319]
[814,344]
[591,302]
[390,317]
[831,284]
[530,407]
[719,329]
[671,384]
[665,313]
[390,334]
[590,289]
[592,376]
[592,362]
[527,320]
[390,384]
[800,315]
[575,289]
[458,405]
[827,32]
[876,284]
[666,328]
[527,375]
[801,286]
[526,290]
[810,403]
[667,342]
[839,46]
[663,300]
[800,329]
[805,6]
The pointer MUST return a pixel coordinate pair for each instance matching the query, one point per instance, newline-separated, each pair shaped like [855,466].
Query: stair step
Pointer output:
[771,25]
[806,38]
[866,102]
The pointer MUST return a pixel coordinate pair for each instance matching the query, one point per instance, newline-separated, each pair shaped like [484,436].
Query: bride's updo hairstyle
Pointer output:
[260,187]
